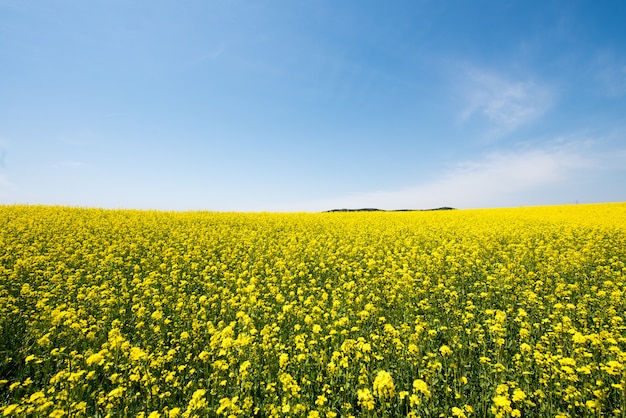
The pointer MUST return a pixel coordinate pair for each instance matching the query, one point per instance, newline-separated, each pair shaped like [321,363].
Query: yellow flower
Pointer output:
[502,388]
[419,386]
[283,359]
[458,412]
[174,413]
[525,348]
[8,410]
[116,393]
[96,358]
[36,397]
[501,401]
[518,395]
[365,398]
[613,367]
[198,400]
[383,385]
[121,305]
[445,350]
[137,354]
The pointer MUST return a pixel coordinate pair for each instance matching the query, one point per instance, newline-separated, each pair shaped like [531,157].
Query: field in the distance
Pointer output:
[507,312]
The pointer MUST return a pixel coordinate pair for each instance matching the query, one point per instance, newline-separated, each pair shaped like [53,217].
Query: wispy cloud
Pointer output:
[497,180]
[503,104]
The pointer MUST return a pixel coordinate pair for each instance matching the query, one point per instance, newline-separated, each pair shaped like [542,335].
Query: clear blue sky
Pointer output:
[311,105]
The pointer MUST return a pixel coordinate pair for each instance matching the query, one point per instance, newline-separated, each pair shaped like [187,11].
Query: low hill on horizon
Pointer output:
[385,210]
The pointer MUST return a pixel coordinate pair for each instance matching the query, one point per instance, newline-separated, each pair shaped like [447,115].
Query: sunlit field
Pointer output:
[465,313]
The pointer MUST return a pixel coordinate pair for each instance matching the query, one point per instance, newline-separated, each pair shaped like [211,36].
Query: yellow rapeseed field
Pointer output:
[468,313]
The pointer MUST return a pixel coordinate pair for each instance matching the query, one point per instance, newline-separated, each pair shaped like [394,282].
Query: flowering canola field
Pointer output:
[500,312]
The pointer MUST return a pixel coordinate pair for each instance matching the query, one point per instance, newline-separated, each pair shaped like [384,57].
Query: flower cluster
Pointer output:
[500,312]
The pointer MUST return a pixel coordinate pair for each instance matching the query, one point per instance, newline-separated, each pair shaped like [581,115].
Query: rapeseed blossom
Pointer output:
[384,387]
[500,312]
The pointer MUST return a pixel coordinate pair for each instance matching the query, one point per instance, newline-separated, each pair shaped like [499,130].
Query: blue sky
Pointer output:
[310,105]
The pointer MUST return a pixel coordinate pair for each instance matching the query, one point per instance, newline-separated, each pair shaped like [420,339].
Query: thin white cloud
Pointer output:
[497,180]
[503,104]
